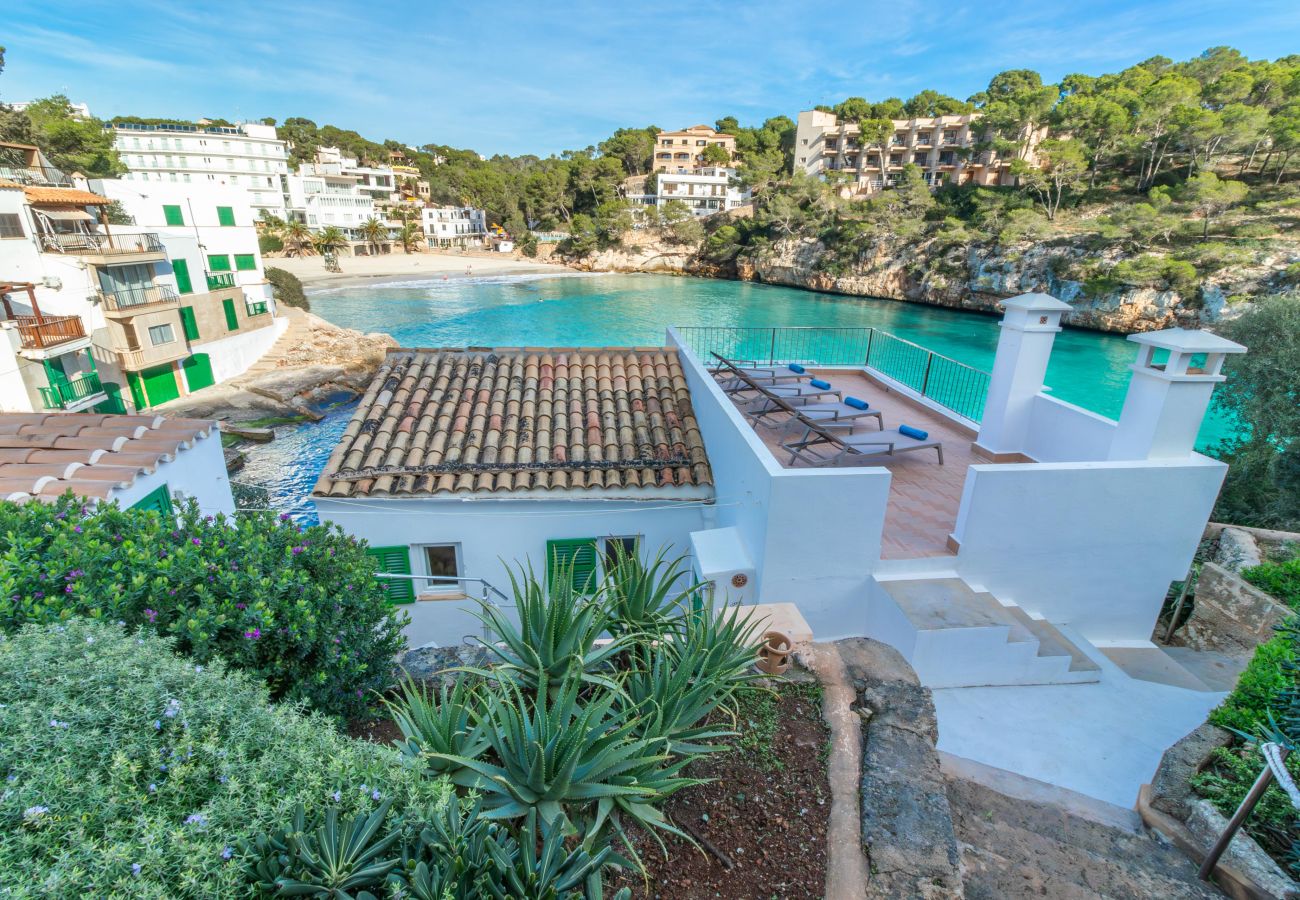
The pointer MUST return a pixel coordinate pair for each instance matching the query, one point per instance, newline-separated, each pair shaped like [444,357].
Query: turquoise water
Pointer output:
[1087,368]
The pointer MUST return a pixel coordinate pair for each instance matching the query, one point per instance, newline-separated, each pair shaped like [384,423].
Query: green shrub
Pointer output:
[1227,780]
[1158,272]
[1282,580]
[286,288]
[269,243]
[118,753]
[1259,689]
[297,607]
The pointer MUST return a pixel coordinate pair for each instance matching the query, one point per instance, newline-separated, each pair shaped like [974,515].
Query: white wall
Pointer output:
[1062,432]
[1093,545]
[234,355]
[198,472]
[494,534]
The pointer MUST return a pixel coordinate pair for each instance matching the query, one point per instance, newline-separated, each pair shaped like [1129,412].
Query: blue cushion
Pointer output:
[820,385]
[797,369]
[856,403]
[913,432]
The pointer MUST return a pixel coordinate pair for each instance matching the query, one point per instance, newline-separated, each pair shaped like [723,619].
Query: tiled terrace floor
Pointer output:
[923,496]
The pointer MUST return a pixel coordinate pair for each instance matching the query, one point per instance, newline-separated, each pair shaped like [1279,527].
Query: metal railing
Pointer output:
[39,332]
[221,280]
[487,593]
[255,309]
[949,383]
[63,394]
[139,299]
[34,175]
[100,244]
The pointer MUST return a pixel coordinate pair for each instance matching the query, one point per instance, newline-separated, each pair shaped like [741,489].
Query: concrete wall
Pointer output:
[199,472]
[1093,545]
[1062,432]
[233,355]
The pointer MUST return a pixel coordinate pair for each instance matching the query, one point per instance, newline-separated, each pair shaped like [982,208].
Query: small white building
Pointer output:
[249,156]
[143,462]
[322,198]
[705,191]
[454,226]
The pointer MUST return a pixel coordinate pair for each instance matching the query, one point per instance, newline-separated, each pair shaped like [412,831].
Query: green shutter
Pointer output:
[198,371]
[572,559]
[225,215]
[232,321]
[158,500]
[395,561]
[246,262]
[181,269]
[219,262]
[173,215]
[189,324]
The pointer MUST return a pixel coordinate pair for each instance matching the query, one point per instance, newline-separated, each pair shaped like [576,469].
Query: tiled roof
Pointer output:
[44,455]
[57,196]
[607,422]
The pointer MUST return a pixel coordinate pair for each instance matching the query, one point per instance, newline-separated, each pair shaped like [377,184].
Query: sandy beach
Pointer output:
[360,269]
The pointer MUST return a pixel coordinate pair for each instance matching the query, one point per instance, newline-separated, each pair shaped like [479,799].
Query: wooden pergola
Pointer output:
[6,288]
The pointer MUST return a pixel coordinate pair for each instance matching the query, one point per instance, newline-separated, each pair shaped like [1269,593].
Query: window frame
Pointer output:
[171,331]
[12,222]
[173,211]
[441,587]
[251,258]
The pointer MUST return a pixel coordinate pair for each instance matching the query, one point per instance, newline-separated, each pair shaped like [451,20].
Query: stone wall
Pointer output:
[1229,614]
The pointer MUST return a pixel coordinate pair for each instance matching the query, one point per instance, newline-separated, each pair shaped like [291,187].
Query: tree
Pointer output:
[1061,166]
[72,144]
[330,240]
[714,155]
[875,134]
[375,231]
[1098,121]
[612,220]
[411,235]
[297,238]
[1016,105]
[681,224]
[633,147]
[1206,194]
[286,288]
[1263,482]
[930,103]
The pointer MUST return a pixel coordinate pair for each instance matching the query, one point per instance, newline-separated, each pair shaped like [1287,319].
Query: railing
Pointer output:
[487,594]
[39,332]
[255,309]
[135,360]
[101,244]
[949,383]
[63,394]
[221,280]
[35,175]
[139,299]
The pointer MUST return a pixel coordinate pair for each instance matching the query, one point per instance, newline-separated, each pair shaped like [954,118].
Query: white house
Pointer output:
[323,198]
[454,226]
[707,191]
[249,156]
[146,462]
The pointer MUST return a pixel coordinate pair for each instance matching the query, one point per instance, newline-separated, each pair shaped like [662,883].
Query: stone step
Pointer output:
[1152,663]
[935,604]
[1052,643]
[1015,847]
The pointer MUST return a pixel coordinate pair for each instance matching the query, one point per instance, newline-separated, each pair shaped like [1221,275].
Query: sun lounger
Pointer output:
[768,409]
[773,373]
[741,383]
[820,446]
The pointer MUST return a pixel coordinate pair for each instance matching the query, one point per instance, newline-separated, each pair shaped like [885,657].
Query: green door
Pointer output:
[198,371]
[114,402]
[137,390]
[232,320]
[181,268]
[396,561]
[160,384]
[189,324]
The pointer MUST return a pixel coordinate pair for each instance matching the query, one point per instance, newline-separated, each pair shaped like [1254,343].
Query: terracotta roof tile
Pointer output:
[611,421]
[60,196]
[44,455]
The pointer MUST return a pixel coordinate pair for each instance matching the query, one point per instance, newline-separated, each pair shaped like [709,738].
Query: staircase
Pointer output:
[957,636]
[1012,846]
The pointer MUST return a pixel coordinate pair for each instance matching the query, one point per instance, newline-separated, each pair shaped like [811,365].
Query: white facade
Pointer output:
[248,156]
[454,226]
[196,472]
[324,200]
[706,191]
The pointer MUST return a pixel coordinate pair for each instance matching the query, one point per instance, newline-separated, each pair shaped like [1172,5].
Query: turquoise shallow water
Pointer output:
[1087,368]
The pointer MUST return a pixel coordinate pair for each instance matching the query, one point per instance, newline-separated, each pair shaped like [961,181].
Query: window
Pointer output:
[441,560]
[173,215]
[219,262]
[571,562]
[161,334]
[396,561]
[615,548]
[158,500]
[181,269]
[11,225]
[225,215]
[232,320]
[246,262]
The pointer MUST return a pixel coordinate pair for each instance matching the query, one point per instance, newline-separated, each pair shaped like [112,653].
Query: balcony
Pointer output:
[134,301]
[45,332]
[105,248]
[258,308]
[147,358]
[43,176]
[75,391]
[219,280]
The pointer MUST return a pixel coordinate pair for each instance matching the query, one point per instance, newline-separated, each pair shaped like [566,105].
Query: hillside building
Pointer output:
[683,151]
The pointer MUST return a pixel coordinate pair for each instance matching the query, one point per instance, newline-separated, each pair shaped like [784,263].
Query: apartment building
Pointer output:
[943,147]
[454,226]
[682,151]
[248,156]
[709,190]
[116,317]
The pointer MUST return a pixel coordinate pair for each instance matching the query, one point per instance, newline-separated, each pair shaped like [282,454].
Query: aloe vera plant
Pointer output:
[549,871]
[453,860]
[340,863]
[646,598]
[440,723]
[672,691]
[556,635]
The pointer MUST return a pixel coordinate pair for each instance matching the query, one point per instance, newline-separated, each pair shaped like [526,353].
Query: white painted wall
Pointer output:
[234,355]
[1062,432]
[1094,545]
[199,472]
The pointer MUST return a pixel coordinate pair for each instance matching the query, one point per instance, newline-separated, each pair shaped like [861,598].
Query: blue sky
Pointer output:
[520,77]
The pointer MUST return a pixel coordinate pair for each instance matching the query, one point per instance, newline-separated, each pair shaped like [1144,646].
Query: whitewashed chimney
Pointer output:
[1169,393]
[1029,328]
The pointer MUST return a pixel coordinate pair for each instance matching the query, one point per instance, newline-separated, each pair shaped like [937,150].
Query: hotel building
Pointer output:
[682,151]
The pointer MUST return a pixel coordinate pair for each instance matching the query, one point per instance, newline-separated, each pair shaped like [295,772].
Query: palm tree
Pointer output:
[374,230]
[411,235]
[330,240]
[297,238]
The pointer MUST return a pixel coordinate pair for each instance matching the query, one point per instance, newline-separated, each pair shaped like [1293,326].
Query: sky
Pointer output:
[543,77]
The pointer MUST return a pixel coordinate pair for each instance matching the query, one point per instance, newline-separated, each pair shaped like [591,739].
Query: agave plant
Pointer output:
[338,863]
[437,724]
[727,641]
[643,597]
[556,636]
[544,869]
[673,690]
[555,750]
[453,861]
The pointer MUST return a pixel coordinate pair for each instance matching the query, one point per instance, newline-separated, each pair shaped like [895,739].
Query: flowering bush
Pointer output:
[299,607]
[128,771]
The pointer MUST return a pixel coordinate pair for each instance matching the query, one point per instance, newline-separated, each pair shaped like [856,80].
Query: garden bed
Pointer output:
[766,810]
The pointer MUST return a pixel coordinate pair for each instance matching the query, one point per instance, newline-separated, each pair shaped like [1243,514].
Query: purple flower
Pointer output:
[227,853]
[150,615]
[173,707]
[374,795]
[284,517]
[253,634]
[135,869]
[196,542]
[153,788]
[77,529]
[33,813]
[241,606]
[337,796]
[39,594]
[297,550]
[157,724]
[68,589]
[198,820]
